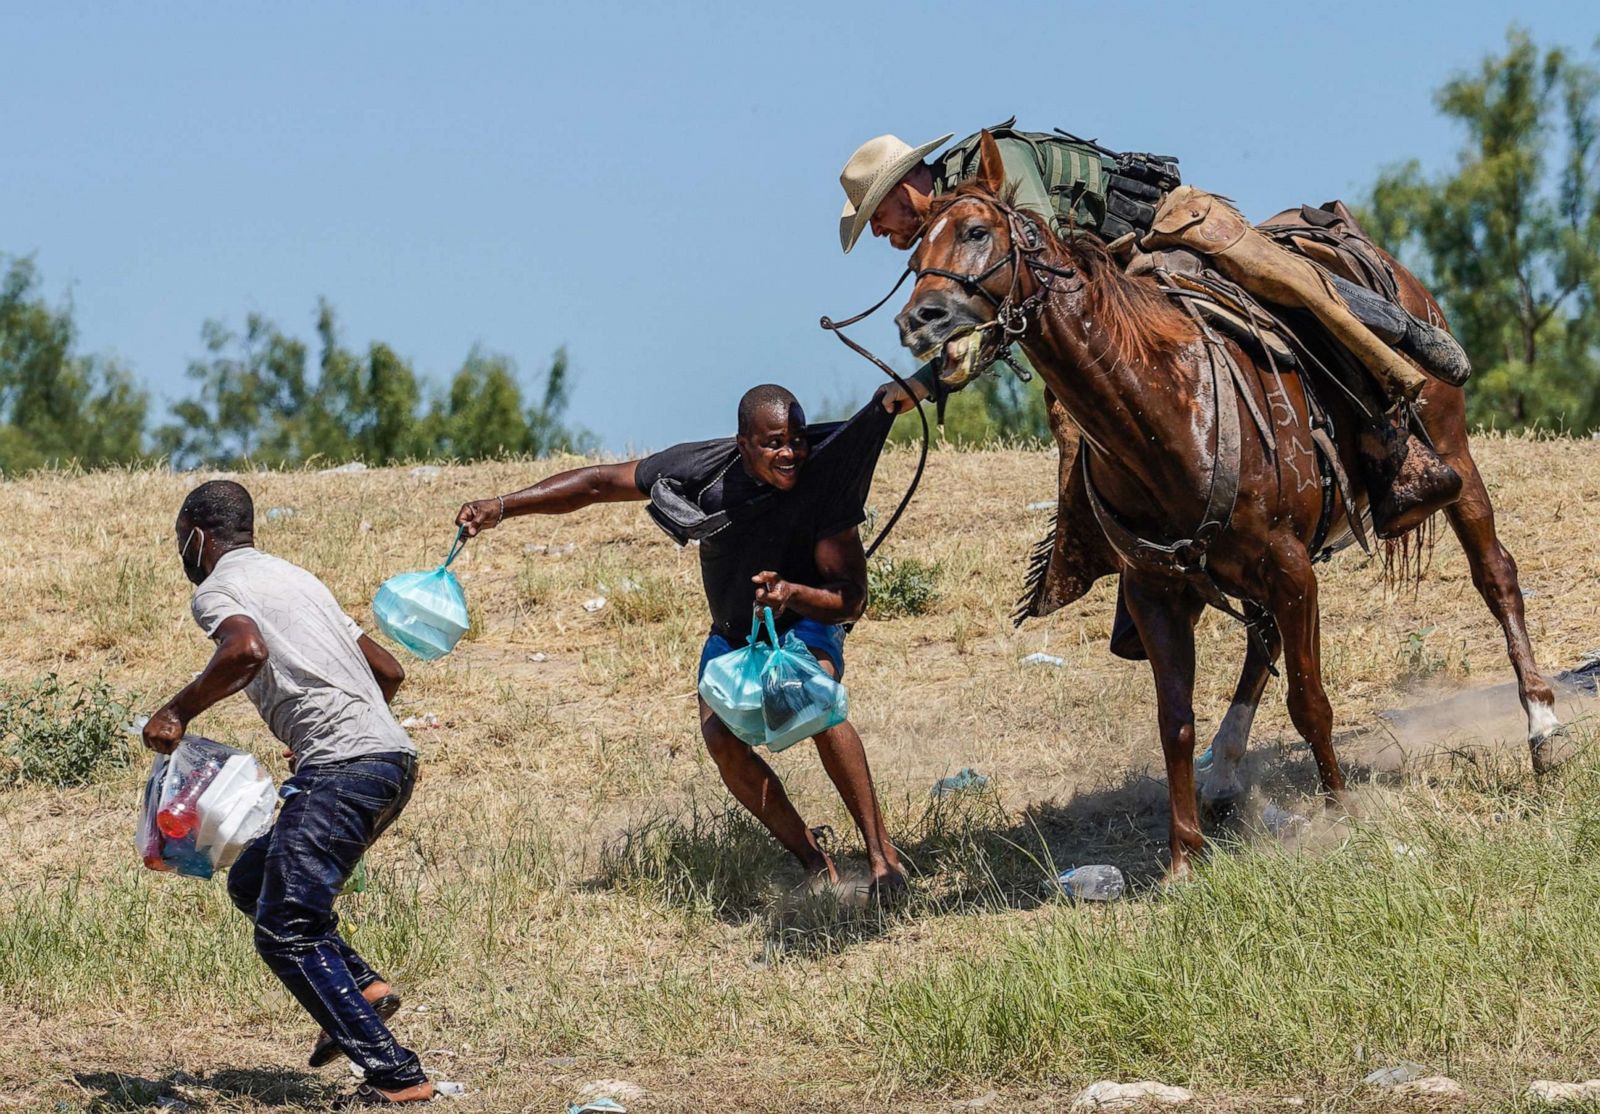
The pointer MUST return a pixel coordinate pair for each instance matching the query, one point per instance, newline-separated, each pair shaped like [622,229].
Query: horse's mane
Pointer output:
[1141,324]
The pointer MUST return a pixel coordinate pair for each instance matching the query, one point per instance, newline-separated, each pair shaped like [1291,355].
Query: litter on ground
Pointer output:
[1110,1095]
[964,780]
[1044,659]
[1403,1072]
[595,604]
[1098,882]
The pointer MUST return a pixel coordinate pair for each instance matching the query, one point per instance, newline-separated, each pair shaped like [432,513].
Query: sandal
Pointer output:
[368,1095]
[327,1050]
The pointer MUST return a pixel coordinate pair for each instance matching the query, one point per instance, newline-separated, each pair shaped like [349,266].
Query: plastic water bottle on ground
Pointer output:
[1099,882]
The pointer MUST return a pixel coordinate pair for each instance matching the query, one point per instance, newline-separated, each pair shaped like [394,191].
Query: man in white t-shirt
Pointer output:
[323,688]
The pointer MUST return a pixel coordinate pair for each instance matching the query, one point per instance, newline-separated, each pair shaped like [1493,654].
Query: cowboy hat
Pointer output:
[874,170]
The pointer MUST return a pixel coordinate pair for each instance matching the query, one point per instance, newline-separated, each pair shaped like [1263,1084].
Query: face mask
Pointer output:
[196,572]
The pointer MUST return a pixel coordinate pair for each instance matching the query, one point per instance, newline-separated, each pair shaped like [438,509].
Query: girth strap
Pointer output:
[1187,557]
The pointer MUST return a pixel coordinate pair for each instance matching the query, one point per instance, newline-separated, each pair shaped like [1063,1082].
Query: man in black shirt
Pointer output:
[776,516]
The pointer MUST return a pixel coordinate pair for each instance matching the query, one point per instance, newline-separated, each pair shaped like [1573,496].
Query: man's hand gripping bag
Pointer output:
[426,612]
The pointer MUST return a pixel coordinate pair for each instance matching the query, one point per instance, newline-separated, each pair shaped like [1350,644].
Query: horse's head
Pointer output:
[970,273]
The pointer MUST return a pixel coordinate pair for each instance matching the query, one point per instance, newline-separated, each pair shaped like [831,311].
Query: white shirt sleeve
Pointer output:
[354,627]
[213,604]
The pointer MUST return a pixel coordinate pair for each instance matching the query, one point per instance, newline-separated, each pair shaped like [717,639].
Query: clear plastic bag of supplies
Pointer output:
[731,684]
[202,804]
[426,612]
[798,699]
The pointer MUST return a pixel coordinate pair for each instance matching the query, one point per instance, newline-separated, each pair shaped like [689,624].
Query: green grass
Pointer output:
[1471,950]
[898,587]
[62,734]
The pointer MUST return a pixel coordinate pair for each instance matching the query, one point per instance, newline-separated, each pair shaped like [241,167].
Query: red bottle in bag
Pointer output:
[180,816]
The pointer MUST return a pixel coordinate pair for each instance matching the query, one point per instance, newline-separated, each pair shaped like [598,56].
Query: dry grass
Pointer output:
[568,881]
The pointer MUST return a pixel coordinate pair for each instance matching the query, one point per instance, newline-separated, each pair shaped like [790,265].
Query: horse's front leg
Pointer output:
[1223,785]
[1165,613]
[1292,598]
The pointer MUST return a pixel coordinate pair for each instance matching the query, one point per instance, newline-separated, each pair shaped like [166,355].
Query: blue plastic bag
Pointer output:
[798,698]
[731,685]
[426,612]
[773,693]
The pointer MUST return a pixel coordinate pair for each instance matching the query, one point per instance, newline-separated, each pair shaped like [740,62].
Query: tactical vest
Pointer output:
[1091,188]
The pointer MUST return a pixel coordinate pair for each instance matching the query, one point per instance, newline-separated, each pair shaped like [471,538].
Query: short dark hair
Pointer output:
[221,508]
[758,400]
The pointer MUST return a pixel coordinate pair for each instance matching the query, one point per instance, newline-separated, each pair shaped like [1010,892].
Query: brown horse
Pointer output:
[1140,381]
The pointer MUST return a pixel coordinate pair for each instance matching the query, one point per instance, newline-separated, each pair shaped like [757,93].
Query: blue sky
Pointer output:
[653,185]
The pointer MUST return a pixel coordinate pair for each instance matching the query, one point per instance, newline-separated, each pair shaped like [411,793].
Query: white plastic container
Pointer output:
[235,808]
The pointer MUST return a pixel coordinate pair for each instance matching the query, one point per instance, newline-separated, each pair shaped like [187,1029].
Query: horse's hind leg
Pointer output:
[1223,784]
[1494,574]
[1292,596]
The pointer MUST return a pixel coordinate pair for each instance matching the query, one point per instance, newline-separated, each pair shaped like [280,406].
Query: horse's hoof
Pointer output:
[1552,750]
[1217,810]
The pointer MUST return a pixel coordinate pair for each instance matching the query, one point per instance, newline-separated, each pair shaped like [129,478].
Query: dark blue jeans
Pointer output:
[285,881]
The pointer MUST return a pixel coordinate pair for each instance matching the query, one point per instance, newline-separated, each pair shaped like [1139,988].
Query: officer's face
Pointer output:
[897,218]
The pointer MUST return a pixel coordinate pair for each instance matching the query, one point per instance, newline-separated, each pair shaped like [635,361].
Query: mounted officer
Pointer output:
[1135,204]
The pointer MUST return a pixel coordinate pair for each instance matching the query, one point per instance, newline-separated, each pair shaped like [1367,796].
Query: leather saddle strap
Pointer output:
[1186,556]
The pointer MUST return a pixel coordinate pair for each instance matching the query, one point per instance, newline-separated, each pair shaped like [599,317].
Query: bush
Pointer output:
[61,734]
[901,587]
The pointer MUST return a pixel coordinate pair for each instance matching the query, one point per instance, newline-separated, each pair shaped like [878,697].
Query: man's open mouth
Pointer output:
[963,356]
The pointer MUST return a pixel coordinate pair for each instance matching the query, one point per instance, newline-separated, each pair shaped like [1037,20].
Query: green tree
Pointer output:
[259,403]
[252,400]
[56,405]
[1509,239]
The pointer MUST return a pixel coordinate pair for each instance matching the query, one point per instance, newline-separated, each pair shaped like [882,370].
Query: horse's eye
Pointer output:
[977,234]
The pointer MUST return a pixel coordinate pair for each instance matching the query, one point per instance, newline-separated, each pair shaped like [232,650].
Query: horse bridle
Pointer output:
[1010,313]
[1027,243]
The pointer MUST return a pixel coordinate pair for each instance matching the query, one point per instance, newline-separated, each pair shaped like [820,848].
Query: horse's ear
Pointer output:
[991,176]
[921,203]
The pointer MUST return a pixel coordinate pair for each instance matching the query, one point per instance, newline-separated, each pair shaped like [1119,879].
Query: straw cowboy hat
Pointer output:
[874,170]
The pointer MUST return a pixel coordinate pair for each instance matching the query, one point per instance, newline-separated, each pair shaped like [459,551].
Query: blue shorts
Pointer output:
[826,640]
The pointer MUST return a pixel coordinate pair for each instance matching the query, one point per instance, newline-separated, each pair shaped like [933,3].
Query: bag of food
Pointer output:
[426,612]
[798,698]
[731,684]
[202,804]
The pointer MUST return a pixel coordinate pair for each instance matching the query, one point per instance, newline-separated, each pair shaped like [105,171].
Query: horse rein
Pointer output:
[1010,314]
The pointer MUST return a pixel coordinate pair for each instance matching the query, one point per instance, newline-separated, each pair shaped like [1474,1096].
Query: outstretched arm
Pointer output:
[842,595]
[562,492]
[240,654]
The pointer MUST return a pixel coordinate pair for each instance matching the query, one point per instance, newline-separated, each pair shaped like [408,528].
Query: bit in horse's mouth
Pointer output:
[963,356]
